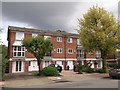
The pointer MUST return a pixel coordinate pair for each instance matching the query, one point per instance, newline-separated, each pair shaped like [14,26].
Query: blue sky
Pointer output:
[49,15]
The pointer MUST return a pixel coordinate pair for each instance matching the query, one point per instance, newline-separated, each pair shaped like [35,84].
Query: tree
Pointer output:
[118,56]
[98,31]
[3,59]
[79,66]
[38,46]
[61,31]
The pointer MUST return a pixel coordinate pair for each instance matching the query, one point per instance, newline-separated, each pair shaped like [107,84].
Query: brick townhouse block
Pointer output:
[66,50]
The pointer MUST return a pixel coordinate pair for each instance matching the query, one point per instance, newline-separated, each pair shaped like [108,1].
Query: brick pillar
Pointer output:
[10,66]
[95,64]
[65,65]
[26,64]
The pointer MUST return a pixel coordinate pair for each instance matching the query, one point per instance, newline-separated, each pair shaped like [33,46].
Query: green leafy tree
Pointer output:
[61,31]
[79,66]
[118,57]
[98,31]
[38,46]
[4,60]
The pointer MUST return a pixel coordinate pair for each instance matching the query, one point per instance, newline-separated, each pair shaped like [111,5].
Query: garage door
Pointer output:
[33,66]
[70,64]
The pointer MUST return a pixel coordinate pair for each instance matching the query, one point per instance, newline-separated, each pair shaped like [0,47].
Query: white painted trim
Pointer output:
[111,60]
[71,40]
[30,59]
[63,59]
[10,59]
[59,38]
[92,59]
[59,50]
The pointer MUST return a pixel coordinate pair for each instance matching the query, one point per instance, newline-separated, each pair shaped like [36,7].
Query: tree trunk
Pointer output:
[104,65]
[39,62]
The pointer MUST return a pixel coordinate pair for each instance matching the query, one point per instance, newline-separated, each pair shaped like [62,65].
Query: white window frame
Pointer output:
[17,51]
[98,54]
[81,53]
[78,42]
[70,40]
[69,50]
[59,50]
[59,39]
[19,35]
[34,35]
[47,37]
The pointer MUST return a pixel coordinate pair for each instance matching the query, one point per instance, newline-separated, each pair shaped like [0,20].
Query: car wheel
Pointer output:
[111,76]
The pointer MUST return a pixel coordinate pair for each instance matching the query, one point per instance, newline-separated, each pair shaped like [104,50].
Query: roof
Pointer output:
[39,31]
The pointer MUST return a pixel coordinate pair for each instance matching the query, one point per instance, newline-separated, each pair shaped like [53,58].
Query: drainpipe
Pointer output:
[65,50]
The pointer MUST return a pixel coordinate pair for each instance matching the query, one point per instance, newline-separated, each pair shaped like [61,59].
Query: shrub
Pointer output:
[79,67]
[89,70]
[99,71]
[112,65]
[35,73]
[49,71]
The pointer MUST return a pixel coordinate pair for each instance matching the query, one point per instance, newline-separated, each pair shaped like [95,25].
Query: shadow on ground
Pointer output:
[110,78]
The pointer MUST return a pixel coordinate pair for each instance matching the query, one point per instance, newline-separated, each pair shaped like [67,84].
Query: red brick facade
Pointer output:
[64,57]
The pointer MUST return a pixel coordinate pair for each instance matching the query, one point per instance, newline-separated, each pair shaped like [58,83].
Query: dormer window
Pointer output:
[59,39]
[19,35]
[34,35]
[47,37]
[69,40]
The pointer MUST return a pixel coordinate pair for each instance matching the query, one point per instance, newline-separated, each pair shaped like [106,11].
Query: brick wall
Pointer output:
[62,45]
[11,41]
[26,66]
[10,66]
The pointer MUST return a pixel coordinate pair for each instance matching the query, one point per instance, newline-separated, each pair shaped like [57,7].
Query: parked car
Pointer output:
[114,73]
[59,68]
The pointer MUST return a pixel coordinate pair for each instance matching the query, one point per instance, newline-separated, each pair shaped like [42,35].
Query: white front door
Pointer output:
[70,64]
[33,66]
[46,63]
[17,66]
[99,64]
[60,63]
[92,62]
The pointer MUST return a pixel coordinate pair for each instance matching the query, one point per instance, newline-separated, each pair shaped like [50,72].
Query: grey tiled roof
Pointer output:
[38,31]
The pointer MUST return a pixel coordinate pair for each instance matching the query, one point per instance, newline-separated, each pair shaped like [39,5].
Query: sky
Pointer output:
[49,15]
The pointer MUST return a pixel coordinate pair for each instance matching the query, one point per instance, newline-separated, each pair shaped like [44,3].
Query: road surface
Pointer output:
[98,83]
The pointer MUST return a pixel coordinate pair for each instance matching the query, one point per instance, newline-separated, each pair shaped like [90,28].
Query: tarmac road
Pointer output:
[96,83]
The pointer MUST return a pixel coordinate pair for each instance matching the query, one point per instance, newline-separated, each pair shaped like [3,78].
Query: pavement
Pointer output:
[67,76]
